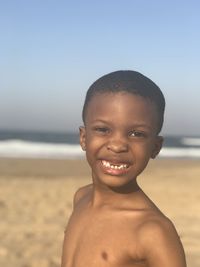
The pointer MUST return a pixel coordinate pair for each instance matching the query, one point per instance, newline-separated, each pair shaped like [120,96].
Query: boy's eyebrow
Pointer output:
[142,125]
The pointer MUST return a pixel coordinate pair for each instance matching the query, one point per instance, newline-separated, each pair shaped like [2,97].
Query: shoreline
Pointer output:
[68,167]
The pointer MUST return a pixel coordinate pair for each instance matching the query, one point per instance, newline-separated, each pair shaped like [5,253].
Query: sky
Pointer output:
[51,51]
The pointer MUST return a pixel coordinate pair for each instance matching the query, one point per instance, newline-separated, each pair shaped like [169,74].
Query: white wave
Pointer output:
[189,141]
[180,152]
[25,149]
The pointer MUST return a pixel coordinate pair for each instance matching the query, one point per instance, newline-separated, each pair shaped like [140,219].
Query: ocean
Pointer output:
[27,144]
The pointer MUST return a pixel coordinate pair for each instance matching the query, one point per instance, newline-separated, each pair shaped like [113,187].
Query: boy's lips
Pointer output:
[115,168]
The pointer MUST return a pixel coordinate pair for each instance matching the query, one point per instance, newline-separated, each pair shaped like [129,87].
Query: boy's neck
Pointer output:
[109,196]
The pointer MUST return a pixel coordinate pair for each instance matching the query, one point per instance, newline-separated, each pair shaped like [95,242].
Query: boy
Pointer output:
[114,224]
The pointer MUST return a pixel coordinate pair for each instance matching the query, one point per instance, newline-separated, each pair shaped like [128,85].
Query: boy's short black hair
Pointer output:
[128,81]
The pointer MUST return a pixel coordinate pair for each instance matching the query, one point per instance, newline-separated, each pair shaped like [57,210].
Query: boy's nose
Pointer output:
[117,146]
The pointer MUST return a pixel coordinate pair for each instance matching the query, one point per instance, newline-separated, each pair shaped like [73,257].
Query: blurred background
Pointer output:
[50,53]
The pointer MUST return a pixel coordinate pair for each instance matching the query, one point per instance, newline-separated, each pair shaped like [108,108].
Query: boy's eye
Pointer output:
[102,129]
[137,134]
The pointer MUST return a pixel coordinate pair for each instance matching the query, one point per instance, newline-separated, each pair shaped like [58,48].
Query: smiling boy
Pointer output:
[114,223]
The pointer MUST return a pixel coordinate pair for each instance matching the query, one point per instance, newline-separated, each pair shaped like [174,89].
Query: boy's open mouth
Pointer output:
[114,166]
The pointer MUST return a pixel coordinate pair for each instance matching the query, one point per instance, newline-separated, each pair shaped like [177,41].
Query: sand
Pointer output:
[36,201]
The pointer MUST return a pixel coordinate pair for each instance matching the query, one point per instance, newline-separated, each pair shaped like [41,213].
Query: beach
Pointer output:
[36,202]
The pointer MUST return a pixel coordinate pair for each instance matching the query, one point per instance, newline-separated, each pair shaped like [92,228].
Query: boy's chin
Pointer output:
[118,184]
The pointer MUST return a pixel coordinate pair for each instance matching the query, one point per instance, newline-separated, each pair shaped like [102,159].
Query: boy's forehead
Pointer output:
[108,102]
[104,95]
[104,98]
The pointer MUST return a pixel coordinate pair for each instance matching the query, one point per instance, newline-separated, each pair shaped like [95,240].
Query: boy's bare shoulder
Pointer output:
[81,193]
[160,242]
[156,226]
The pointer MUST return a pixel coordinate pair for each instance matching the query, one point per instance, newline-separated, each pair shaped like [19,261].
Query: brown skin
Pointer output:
[114,224]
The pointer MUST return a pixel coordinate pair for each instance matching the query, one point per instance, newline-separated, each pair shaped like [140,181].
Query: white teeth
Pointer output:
[112,166]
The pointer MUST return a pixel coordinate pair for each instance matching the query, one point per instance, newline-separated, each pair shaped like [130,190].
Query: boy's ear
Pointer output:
[157,146]
[82,134]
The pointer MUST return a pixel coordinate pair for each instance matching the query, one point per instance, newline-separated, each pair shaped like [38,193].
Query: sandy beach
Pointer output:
[36,201]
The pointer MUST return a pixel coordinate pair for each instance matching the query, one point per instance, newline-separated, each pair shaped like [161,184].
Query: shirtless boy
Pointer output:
[114,223]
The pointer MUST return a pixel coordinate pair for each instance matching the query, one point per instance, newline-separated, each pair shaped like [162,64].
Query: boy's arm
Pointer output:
[80,193]
[162,245]
[78,196]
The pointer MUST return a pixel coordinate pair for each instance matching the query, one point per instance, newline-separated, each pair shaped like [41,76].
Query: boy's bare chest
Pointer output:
[101,240]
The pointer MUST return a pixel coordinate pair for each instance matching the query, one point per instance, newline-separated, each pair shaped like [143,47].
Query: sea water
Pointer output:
[24,144]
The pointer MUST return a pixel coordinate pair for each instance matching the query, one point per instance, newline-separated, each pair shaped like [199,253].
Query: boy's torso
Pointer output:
[104,237]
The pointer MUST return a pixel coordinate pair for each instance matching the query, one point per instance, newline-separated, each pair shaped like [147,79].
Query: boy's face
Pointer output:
[119,137]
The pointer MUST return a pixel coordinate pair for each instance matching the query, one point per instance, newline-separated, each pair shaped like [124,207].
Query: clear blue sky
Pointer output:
[51,51]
